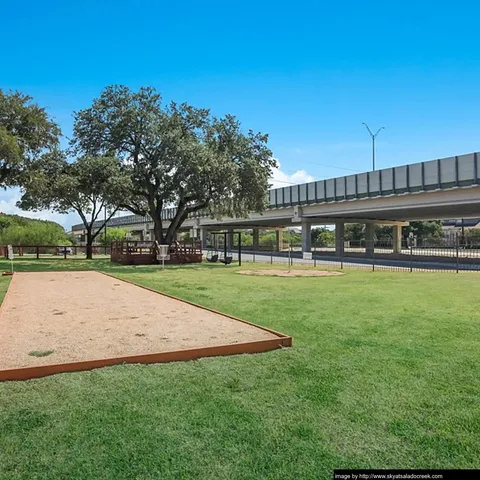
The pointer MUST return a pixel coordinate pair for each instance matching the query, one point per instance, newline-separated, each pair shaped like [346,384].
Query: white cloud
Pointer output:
[283,179]
[11,196]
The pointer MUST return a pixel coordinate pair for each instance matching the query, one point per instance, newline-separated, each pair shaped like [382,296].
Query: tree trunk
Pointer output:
[176,223]
[158,229]
[171,236]
[89,248]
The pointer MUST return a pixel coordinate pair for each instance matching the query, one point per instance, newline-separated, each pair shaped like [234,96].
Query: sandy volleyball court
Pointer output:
[80,316]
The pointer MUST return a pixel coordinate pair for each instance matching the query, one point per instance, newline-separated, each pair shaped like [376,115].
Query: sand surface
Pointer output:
[291,273]
[89,316]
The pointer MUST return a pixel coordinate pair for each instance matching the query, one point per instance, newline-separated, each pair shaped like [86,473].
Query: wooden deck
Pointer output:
[145,253]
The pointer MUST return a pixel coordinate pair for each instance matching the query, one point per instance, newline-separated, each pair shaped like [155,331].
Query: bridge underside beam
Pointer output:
[334,220]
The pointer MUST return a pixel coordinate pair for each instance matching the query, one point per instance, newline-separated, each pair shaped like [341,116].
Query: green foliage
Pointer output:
[354,232]
[428,229]
[322,237]
[72,238]
[177,155]
[269,238]
[16,230]
[473,233]
[113,235]
[292,237]
[247,239]
[88,186]
[266,239]
[25,132]
[383,231]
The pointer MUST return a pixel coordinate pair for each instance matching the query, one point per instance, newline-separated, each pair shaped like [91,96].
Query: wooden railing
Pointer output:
[144,253]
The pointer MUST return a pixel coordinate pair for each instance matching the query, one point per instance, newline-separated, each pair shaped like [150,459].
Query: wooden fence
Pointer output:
[145,253]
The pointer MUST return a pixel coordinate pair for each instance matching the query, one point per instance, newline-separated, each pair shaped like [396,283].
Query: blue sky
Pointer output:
[308,73]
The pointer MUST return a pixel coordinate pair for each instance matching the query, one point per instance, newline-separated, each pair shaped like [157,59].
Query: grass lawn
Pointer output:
[384,373]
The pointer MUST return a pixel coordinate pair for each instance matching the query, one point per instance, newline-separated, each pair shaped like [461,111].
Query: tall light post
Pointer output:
[374,136]
[105,220]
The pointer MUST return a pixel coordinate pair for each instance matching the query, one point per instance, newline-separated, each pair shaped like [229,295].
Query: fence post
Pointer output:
[271,257]
[342,252]
[457,248]
[411,256]
[65,253]
[373,253]
[75,250]
[313,254]
[38,252]
[239,249]
[289,253]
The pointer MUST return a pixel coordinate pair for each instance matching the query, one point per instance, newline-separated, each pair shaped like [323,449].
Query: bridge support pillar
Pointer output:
[306,236]
[256,239]
[203,237]
[339,238]
[369,240]
[230,239]
[279,240]
[397,239]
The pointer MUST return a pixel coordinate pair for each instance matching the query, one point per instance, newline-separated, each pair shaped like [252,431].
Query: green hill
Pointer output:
[17,230]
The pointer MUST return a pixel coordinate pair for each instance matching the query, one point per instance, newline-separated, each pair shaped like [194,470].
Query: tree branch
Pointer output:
[94,236]
[134,209]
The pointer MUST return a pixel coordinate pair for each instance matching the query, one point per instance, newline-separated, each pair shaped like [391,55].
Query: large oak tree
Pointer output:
[176,155]
[26,132]
[87,185]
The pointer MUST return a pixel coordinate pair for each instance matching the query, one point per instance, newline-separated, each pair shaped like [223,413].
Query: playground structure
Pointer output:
[147,253]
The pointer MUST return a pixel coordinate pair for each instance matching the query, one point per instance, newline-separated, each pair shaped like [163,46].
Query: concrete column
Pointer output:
[397,239]
[369,240]
[306,236]
[256,239]
[279,240]
[230,239]
[339,238]
[203,237]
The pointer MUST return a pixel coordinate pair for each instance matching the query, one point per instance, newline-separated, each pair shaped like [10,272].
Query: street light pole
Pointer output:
[105,217]
[374,136]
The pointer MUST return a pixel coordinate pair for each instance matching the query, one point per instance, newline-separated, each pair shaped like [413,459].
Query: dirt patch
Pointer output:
[88,316]
[291,273]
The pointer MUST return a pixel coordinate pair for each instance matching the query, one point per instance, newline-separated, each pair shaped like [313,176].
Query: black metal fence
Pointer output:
[453,254]
[61,251]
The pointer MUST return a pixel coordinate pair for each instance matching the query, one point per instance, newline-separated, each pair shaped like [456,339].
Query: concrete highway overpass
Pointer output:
[437,189]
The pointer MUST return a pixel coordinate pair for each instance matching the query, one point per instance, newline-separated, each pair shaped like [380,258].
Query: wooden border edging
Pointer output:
[259,346]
